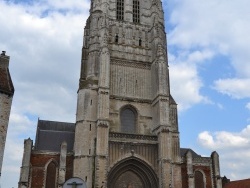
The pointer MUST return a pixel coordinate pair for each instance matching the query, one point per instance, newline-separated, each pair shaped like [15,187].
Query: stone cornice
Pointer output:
[130,99]
[124,137]
[134,64]
[45,152]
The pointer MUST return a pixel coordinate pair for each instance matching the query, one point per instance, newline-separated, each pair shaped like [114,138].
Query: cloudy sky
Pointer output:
[209,60]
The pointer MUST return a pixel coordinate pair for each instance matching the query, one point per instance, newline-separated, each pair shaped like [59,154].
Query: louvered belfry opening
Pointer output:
[136,11]
[128,120]
[120,10]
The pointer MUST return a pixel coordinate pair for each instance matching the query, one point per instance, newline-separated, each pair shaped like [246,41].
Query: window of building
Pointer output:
[51,175]
[120,10]
[116,39]
[128,120]
[140,42]
[136,11]
[199,180]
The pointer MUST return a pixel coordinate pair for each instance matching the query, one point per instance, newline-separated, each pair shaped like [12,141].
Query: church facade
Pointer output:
[126,131]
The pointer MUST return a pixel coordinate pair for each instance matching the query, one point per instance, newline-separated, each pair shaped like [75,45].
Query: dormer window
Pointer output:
[136,11]
[120,10]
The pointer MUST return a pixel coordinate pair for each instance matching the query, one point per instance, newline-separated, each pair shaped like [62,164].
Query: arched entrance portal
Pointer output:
[132,173]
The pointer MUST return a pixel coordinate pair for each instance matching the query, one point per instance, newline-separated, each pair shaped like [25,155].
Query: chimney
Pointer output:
[4,60]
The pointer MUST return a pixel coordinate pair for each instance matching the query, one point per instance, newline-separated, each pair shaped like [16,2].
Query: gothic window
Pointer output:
[120,9]
[199,180]
[128,120]
[51,175]
[136,11]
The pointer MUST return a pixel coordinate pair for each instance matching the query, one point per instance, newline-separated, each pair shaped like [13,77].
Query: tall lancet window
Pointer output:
[136,11]
[51,175]
[120,9]
[128,120]
[199,180]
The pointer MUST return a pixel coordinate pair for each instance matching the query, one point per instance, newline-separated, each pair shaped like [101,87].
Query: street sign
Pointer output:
[74,183]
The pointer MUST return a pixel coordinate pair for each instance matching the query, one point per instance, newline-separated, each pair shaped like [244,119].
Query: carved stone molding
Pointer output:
[103,123]
[132,136]
[190,175]
[133,64]
[130,99]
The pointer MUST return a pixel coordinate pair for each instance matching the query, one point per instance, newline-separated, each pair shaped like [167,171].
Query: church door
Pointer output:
[132,173]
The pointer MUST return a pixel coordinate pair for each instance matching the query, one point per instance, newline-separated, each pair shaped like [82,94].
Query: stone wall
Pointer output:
[144,116]
[130,80]
[122,146]
[5,106]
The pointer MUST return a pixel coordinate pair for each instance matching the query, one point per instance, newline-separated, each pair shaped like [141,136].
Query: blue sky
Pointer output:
[209,54]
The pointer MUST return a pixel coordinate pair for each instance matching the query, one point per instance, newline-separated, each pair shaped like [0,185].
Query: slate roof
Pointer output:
[185,150]
[238,184]
[50,135]
[6,85]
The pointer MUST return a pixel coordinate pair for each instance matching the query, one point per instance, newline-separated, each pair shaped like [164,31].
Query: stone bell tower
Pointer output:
[126,122]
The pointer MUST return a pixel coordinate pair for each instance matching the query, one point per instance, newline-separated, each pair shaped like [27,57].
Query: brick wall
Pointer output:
[39,163]
[207,171]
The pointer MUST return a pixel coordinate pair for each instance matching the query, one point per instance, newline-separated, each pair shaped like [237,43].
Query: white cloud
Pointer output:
[199,56]
[248,106]
[14,151]
[44,60]
[44,40]
[236,88]
[20,127]
[19,124]
[185,85]
[210,24]
[184,77]
[234,150]
[224,140]
[218,27]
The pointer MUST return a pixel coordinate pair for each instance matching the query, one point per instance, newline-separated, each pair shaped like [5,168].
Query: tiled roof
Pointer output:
[238,184]
[51,134]
[6,85]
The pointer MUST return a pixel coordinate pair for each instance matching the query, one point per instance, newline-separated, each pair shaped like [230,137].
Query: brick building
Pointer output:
[245,183]
[126,130]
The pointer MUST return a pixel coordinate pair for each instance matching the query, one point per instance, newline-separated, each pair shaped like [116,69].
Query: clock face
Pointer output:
[74,183]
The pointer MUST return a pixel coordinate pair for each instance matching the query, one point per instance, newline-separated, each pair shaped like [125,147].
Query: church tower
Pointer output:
[126,131]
